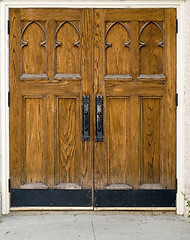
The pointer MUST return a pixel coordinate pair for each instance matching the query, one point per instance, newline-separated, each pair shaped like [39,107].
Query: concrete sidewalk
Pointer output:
[93,226]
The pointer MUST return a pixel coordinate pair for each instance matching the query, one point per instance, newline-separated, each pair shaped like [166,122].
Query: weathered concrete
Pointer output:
[95,226]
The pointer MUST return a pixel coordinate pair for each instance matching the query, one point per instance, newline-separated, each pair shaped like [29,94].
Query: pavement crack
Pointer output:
[93,229]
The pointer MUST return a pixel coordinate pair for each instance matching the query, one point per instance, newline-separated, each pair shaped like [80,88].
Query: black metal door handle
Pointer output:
[86,121]
[86,118]
[99,119]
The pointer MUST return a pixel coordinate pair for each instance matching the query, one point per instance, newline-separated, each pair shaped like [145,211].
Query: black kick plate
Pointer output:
[135,198]
[51,198]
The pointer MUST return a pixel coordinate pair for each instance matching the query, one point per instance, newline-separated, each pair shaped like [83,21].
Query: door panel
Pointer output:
[135,72]
[48,77]
[67,54]
[150,141]
[118,141]
[68,159]
[117,34]
[34,162]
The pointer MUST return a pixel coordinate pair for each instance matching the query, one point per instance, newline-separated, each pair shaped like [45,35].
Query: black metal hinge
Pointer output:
[176,184]
[9,185]
[8,99]
[176,99]
[176,25]
[8,27]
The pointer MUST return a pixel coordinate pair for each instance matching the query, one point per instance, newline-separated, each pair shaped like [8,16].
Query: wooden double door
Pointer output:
[93,107]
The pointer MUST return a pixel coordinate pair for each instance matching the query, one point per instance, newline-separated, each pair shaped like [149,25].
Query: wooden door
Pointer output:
[135,72]
[50,70]
[117,66]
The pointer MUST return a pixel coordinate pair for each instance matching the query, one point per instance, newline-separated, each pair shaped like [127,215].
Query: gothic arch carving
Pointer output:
[126,44]
[57,43]
[24,43]
[142,44]
[33,51]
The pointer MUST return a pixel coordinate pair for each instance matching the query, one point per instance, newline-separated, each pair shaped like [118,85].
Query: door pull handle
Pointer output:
[99,119]
[86,118]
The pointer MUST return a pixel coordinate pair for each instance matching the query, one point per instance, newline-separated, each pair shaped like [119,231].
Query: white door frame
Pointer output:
[4,71]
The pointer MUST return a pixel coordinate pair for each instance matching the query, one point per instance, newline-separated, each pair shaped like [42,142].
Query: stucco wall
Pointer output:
[187,97]
[0,125]
[186,110]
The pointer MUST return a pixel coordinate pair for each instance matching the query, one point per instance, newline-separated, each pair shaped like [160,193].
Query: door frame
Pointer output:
[4,71]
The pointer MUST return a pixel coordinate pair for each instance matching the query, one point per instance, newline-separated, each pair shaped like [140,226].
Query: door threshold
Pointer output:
[169,209]
[135,209]
[13,209]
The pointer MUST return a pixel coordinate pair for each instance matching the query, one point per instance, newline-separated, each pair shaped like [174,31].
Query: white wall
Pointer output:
[0,125]
[187,97]
[185,112]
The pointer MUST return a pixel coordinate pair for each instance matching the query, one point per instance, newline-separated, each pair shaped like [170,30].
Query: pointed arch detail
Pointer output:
[159,44]
[25,43]
[126,44]
[57,43]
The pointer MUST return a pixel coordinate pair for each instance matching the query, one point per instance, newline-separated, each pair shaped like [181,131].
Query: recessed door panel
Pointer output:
[35,141]
[118,143]
[150,141]
[68,155]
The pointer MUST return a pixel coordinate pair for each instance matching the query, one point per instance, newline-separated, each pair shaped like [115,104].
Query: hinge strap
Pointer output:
[177,26]
[177,99]
[9,185]
[8,27]
[8,99]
